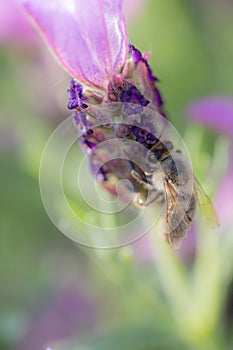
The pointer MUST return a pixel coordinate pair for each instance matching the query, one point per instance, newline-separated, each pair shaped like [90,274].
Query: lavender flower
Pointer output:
[90,41]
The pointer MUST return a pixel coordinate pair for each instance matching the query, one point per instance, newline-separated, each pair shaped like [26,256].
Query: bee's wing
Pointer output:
[170,196]
[175,222]
[205,205]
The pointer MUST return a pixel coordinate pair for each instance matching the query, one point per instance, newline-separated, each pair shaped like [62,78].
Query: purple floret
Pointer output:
[158,98]
[133,95]
[137,57]
[76,96]
[79,118]
[135,54]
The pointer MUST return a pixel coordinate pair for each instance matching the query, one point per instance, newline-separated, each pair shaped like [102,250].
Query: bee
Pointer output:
[166,178]
[169,180]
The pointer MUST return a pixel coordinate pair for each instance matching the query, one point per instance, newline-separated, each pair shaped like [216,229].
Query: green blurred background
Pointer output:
[42,271]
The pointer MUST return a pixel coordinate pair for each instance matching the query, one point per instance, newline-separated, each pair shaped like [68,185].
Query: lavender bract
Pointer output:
[87,37]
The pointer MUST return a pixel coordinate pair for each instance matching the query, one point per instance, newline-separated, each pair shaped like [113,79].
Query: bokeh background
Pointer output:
[140,297]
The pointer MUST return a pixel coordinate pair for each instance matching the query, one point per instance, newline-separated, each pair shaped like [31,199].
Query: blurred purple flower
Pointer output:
[14,26]
[69,314]
[217,113]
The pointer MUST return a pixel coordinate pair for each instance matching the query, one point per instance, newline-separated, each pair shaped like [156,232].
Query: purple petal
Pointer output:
[215,112]
[88,37]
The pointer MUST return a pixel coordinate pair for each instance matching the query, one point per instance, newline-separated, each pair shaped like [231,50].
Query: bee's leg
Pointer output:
[144,182]
[138,177]
[158,198]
